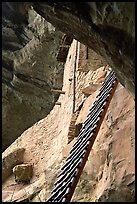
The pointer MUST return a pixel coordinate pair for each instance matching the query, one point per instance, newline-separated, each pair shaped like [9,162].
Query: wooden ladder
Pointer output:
[70,173]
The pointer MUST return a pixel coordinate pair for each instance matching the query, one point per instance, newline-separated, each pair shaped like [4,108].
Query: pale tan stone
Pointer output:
[10,159]
[87,91]
[109,171]
[28,191]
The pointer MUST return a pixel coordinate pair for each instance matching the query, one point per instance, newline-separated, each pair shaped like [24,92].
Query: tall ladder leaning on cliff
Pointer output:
[75,162]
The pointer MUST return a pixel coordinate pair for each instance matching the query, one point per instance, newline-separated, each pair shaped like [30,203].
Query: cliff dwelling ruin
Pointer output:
[56,57]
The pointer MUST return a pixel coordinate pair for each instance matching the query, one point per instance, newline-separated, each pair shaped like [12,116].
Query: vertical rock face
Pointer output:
[29,69]
[30,44]
[110,170]
[109,173]
[106,27]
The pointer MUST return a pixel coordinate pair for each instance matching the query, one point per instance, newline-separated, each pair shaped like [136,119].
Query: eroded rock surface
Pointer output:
[10,159]
[29,69]
[30,45]
[106,27]
[109,173]
[111,163]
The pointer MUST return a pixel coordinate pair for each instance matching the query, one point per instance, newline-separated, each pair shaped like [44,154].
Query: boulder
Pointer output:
[9,160]
[88,90]
[23,172]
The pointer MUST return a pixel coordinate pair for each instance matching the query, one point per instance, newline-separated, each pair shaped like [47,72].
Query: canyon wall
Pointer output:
[106,27]
[109,173]
[30,70]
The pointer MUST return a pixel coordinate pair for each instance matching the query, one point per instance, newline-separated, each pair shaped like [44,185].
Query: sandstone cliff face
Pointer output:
[110,169]
[29,70]
[106,27]
[109,173]
[30,44]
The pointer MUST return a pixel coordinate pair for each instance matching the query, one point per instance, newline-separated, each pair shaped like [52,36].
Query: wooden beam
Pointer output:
[57,91]
[58,103]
